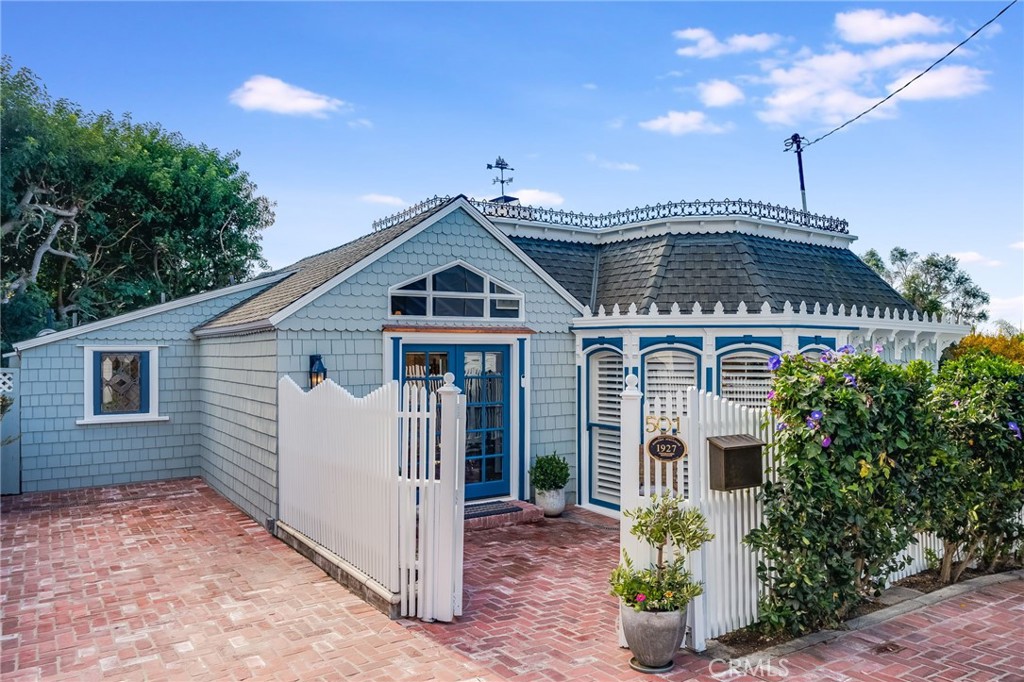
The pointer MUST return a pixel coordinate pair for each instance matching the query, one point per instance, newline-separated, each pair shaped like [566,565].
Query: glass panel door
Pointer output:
[482,374]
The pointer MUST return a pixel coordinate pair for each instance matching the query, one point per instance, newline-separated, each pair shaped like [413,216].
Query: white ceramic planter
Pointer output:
[551,501]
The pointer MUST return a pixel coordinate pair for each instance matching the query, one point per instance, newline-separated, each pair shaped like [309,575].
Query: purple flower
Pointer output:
[811,424]
[878,349]
[771,395]
[826,441]
[780,426]
[774,362]
[821,379]
[850,380]
[846,349]
[828,356]
[816,415]
[956,403]
[1016,429]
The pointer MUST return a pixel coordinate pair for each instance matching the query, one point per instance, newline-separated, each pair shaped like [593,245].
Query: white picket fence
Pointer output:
[727,567]
[380,483]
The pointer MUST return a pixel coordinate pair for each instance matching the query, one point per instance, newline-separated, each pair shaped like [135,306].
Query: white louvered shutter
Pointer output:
[605,405]
[746,378]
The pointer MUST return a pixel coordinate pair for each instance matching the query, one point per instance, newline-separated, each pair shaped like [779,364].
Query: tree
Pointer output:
[1010,346]
[101,215]
[934,284]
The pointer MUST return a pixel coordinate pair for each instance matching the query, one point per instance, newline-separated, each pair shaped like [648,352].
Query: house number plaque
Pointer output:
[666,448]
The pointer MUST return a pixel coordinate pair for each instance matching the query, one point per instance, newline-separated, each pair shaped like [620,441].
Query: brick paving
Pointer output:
[169,581]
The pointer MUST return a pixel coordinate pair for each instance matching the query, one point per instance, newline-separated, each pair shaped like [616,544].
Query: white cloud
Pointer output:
[718,93]
[589,86]
[975,257]
[942,83]
[878,26]
[539,197]
[833,87]
[611,165]
[683,122]
[386,199]
[361,124]
[1010,309]
[706,45]
[1017,245]
[264,93]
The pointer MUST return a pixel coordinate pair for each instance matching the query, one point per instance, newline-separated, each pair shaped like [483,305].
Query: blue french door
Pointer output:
[482,374]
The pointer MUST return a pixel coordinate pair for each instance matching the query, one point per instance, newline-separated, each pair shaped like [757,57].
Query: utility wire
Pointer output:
[901,88]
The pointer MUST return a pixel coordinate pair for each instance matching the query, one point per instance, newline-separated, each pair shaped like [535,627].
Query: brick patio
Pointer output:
[170,581]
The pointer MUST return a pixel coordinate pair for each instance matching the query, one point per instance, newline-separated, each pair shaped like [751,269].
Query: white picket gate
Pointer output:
[380,483]
[726,567]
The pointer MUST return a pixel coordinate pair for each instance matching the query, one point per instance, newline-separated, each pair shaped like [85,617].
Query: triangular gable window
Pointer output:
[456,291]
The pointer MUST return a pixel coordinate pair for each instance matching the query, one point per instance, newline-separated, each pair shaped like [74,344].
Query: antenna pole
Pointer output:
[795,142]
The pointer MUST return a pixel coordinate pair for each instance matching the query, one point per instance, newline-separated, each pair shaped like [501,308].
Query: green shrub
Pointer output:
[853,437]
[549,472]
[975,489]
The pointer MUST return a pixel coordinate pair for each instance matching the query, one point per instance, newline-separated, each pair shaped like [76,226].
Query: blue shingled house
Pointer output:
[540,314]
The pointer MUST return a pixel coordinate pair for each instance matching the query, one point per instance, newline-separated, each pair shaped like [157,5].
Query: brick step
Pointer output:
[488,515]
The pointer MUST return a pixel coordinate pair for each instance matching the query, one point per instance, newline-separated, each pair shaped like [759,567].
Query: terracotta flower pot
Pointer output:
[654,637]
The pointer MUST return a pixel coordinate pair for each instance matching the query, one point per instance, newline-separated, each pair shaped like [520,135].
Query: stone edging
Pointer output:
[716,650]
[360,584]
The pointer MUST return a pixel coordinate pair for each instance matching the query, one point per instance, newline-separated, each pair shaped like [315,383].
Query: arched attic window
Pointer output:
[456,291]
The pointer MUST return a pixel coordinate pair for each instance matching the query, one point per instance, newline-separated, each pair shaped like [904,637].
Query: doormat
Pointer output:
[476,511]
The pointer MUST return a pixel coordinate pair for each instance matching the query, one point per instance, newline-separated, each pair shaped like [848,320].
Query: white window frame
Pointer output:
[153,415]
[429,294]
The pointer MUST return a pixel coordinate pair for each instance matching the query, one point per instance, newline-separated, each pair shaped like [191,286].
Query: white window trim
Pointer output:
[154,387]
[429,294]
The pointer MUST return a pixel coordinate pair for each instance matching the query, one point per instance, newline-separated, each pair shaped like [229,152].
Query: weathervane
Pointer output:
[502,166]
[796,141]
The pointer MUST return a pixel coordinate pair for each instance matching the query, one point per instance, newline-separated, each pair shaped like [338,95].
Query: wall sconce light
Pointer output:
[317,370]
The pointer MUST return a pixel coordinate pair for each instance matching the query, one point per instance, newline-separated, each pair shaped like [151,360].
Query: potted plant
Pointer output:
[549,476]
[654,600]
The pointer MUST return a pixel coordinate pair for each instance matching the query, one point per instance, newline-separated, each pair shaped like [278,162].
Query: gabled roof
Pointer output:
[707,268]
[308,274]
[316,275]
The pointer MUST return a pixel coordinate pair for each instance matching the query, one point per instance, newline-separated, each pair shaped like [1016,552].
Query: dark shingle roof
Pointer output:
[311,272]
[707,268]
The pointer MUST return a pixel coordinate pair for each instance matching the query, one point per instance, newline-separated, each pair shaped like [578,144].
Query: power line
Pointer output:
[901,88]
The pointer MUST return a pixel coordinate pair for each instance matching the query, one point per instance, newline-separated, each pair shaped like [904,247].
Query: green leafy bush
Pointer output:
[975,488]
[549,472]
[853,437]
[665,585]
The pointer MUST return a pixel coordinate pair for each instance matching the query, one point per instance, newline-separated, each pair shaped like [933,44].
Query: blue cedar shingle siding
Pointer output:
[59,454]
[238,419]
[707,268]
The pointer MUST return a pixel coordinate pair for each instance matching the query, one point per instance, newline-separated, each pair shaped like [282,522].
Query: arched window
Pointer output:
[745,378]
[456,290]
[666,372]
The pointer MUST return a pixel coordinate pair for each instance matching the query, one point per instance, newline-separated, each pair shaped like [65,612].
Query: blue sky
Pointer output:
[347,112]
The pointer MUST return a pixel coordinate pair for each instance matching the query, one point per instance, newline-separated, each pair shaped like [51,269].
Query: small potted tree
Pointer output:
[549,476]
[654,600]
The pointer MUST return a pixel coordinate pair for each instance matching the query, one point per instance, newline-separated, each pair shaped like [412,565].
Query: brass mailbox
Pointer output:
[736,462]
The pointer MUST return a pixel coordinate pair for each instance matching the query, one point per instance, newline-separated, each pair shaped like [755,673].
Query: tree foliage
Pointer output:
[101,215]
[1010,346]
[933,284]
